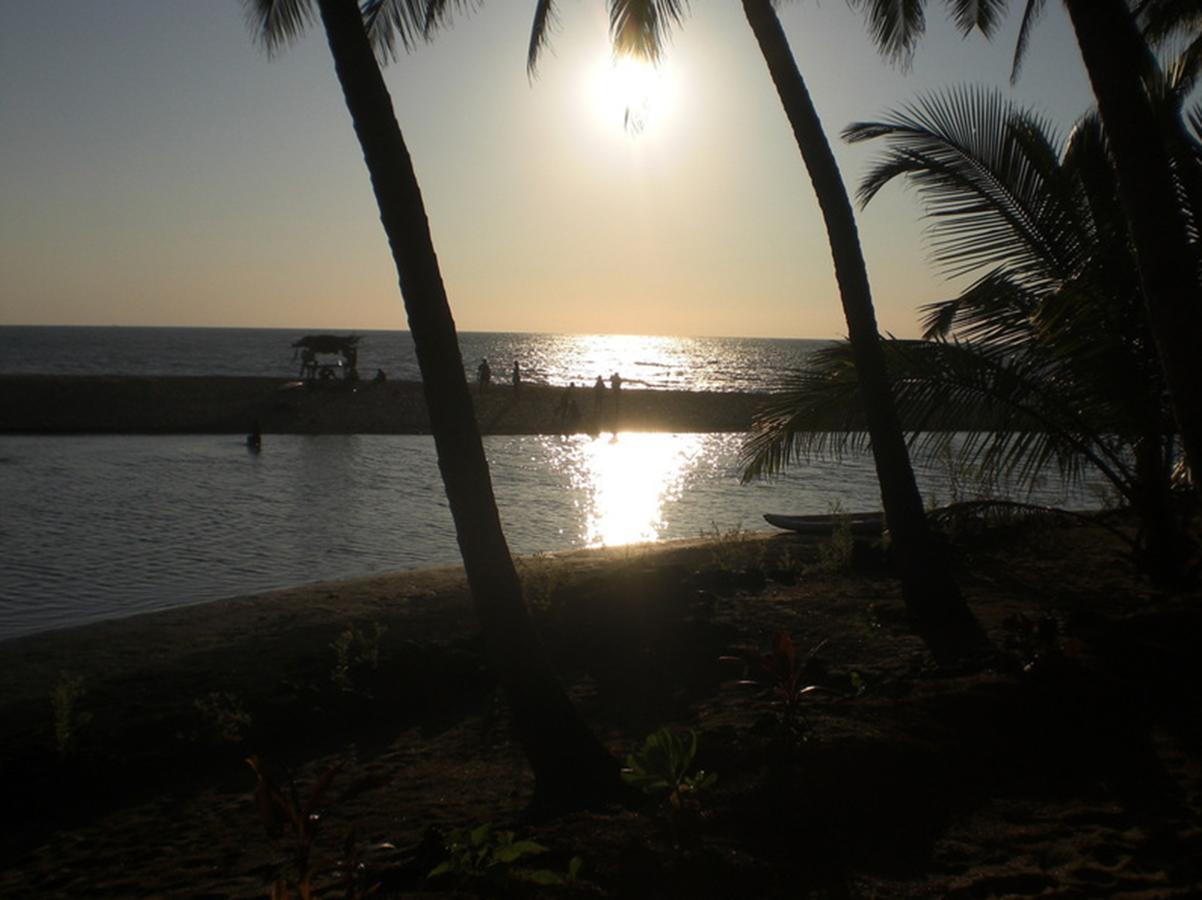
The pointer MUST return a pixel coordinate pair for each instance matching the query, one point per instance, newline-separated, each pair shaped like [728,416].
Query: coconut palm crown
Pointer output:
[1045,358]
[1115,38]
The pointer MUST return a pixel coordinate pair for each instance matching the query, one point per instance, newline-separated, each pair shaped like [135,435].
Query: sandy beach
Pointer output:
[213,405]
[1069,768]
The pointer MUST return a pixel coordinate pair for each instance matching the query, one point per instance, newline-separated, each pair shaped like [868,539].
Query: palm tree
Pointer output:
[569,764]
[1046,357]
[933,602]
[1122,73]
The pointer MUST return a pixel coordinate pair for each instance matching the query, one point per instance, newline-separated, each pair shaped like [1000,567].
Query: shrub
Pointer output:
[69,720]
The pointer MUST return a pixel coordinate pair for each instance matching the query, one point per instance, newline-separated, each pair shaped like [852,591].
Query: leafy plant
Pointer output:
[1044,361]
[540,579]
[731,550]
[787,566]
[661,767]
[836,553]
[69,720]
[486,854]
[295,820]
[787,674]
[1036,645]
[225,718]
[355,653]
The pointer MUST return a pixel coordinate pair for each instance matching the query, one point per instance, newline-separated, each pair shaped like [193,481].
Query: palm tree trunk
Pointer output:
[1115,57]
[569,763]
[932,599]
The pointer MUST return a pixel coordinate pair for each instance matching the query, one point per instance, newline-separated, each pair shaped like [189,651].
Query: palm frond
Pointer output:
[988,174]
[276,23]
[895,25]
[396,25]
[640,28]
[994,312]
[1161,20]
[1031,13]
[1014,416]
[544,20]
[982,15]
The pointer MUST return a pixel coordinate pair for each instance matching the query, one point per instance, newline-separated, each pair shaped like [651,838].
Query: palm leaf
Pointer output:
[1031,13]
[544,19]
[276,23]
[640,28]
[895,25]
[982,15]
[988,175]
[1013,416]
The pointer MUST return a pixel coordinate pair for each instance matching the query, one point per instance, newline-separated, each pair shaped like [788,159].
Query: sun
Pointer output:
[631,92]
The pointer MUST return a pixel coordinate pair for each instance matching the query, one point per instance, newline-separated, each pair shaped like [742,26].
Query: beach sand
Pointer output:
[1071,768]
[213,405]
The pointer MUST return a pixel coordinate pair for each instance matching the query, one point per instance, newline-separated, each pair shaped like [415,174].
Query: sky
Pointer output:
[158,168]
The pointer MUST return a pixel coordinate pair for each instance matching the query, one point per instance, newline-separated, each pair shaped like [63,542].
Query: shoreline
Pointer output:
[129,404]
[172,633]
[124,744]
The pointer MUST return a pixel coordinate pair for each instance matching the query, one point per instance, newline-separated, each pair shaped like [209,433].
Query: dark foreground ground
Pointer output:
[1070,768]
[162,405]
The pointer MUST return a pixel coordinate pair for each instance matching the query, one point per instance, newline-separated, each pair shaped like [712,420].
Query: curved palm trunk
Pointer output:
[932,599]
[568,762]
[1115,54]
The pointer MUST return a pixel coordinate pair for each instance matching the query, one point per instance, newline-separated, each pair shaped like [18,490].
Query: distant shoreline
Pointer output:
[127,404]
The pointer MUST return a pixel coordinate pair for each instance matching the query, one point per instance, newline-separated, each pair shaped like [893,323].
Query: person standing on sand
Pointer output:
[615,382]
[566,411]
[517,377]
[484,373]
[598,395]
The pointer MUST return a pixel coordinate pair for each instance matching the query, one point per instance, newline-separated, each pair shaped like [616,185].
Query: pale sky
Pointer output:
[156,168]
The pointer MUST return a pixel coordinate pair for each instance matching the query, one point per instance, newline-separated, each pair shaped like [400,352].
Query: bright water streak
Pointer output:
[95,527]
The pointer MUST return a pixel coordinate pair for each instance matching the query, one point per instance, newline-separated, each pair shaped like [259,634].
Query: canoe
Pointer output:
[868,523]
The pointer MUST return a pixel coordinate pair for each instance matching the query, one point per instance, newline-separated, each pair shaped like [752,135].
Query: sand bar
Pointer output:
[52,404]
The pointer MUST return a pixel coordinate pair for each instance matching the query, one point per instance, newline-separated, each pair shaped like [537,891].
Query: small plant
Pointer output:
[484,854]
[296,821]
[285,813]
[788,675]
[540,579]
[836,553]
[788,565]
[69,720]
[730,551]
[356,653]
[661,768]
[1037,646]
[225,718]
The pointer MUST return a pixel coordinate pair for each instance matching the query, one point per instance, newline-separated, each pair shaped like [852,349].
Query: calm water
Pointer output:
[719,364]
[101,526]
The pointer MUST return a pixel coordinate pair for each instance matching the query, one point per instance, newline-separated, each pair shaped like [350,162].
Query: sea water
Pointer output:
[688,363]
[103,526]
[97,527]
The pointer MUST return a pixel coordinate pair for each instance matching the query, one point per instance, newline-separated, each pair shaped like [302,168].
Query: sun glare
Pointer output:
[630,92]
[629,478]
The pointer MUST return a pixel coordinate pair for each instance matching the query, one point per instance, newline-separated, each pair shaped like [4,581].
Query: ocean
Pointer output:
[103,526]
[700,363]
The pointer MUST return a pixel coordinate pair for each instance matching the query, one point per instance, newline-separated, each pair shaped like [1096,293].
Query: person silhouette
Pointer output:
[484,373]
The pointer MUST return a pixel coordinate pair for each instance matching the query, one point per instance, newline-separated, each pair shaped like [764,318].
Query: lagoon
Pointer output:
[104,526]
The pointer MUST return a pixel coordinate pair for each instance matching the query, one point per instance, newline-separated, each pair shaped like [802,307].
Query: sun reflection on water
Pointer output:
[625,481]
